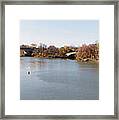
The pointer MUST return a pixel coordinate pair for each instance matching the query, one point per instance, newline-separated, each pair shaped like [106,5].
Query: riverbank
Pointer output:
[85,53]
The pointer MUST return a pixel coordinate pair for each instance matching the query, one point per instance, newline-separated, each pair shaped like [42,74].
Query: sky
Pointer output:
[59,32]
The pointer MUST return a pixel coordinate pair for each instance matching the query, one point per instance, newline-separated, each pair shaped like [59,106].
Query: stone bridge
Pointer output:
[26,51]
[71,55]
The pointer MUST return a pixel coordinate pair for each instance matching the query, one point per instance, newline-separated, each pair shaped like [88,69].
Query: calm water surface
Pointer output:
[58,79]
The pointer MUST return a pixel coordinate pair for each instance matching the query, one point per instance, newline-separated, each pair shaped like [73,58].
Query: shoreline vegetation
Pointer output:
[84,53]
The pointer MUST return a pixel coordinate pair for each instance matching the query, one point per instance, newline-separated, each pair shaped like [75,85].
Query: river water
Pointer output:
[58,79]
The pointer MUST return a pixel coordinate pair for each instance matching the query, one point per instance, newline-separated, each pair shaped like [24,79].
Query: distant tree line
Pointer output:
[84,53]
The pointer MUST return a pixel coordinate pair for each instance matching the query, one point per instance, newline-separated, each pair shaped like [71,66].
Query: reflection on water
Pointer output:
[58,79]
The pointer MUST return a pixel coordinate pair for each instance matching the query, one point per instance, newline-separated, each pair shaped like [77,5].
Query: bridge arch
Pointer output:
[71,55]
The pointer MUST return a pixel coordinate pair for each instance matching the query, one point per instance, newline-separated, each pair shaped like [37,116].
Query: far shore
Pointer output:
[85,53]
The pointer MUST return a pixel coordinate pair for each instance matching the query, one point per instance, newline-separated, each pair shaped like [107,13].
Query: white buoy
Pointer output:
[28,72]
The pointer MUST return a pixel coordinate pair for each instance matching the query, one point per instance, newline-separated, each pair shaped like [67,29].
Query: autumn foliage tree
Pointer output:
[88,52]
[52,51]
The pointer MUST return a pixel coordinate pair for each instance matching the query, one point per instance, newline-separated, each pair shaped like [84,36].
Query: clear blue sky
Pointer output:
[59,32]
